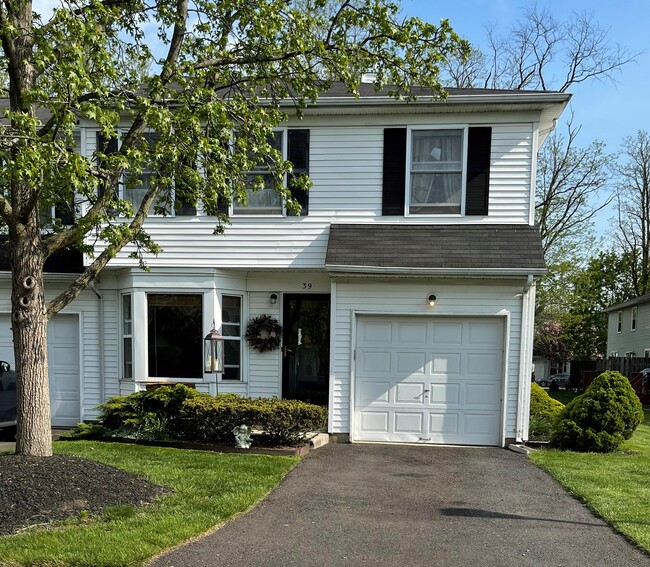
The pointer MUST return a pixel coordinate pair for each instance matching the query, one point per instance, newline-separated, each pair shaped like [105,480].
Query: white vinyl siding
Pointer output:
[92,369]
[404,298]
[628,340]
[346,170]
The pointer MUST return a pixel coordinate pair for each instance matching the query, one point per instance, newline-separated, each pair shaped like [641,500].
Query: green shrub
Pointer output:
[284,422]
[147,414]
[544,411]
[600,419]
[85,431]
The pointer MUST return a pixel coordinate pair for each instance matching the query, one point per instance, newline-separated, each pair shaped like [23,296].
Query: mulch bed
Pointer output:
[39,490]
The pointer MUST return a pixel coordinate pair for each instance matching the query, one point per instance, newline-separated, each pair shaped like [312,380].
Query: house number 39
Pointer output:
[306,285]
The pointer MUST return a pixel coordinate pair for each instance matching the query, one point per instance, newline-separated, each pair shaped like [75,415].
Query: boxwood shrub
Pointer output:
[544,411]
[147,414]
[600,419]
[281,422]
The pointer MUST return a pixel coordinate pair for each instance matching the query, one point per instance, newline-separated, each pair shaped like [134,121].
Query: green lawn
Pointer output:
[564,396]
[209,489]
[616,486]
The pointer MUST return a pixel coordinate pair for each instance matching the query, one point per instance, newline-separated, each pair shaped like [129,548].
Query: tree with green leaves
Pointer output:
[221,76]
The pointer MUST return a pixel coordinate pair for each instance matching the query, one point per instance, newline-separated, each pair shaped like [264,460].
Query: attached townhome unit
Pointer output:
[628,328]
[405,288]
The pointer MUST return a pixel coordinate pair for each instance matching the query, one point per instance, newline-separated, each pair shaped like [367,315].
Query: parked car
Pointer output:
[561,380]
[7,398]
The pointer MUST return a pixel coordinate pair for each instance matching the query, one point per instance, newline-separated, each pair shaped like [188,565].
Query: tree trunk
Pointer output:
[29,327]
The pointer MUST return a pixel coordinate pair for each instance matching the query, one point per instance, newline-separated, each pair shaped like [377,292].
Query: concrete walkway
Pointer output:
[363,505]
[11,445]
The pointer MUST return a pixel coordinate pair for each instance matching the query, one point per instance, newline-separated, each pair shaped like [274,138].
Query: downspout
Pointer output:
[101,339]
[523,396]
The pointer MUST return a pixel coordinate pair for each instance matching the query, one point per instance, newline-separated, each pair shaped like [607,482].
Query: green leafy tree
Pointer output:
[215,68]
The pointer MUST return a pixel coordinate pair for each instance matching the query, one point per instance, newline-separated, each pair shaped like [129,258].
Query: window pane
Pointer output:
[231,374]
[128,357]
[433,149]
[231,309]
[435,193]
[231,353]
[175,336]
[265,201]
[126,315]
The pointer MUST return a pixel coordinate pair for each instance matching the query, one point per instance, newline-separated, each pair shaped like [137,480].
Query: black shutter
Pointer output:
[298,155]
[479,146]
[106,146]
[394,176]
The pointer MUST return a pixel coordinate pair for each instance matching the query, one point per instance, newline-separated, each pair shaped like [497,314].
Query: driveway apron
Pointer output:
[409,506]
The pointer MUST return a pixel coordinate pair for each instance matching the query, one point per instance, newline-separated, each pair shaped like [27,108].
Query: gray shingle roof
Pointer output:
[339,89]
[471,247]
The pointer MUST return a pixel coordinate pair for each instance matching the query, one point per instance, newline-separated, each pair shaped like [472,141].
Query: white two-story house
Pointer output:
[405,289]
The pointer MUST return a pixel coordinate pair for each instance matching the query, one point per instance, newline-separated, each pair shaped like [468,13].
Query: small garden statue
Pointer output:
[242,436]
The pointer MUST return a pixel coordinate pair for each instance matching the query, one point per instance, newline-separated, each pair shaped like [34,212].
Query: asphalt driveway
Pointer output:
[363,505]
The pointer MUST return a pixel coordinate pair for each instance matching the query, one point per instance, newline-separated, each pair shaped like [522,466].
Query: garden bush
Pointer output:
[150,414]
[283,422]
[600,419]
[544,411]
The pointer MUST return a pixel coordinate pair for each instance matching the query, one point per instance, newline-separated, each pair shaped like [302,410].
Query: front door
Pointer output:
[306,348]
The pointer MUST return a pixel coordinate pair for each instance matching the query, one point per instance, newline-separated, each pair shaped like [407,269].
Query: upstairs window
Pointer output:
[635,313]
[619,321]
[265,200]
[436,172]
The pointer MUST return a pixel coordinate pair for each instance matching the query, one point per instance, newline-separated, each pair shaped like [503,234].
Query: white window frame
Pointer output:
[633,321]
[619,321]
[463,181]
[283,210]
[646,353]
[614,354]
[234,338]
[124,335]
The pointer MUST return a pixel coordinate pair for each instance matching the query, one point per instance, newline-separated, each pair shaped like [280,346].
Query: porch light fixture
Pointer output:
[213,351]
[273,298]
[431,299]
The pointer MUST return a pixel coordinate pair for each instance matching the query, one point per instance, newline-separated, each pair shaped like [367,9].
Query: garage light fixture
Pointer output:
[273,298]
[431,299]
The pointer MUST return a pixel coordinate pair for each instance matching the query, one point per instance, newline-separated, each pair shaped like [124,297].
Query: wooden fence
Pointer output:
[584,371]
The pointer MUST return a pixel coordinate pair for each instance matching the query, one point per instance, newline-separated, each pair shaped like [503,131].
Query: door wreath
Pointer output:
[264,333]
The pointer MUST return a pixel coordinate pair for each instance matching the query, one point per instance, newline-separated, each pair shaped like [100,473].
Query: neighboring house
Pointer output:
[628,328]
[406,289]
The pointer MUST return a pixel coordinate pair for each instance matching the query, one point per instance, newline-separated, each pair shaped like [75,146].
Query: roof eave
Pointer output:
[464,272]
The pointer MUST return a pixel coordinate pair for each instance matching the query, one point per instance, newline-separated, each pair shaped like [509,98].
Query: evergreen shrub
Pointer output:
[600,419]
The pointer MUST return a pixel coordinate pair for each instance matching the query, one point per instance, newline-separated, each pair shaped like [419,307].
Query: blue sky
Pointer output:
[606,111]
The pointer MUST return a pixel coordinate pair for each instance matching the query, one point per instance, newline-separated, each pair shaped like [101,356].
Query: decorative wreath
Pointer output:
[264,333]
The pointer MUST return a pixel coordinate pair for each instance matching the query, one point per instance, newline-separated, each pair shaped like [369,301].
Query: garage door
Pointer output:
[63,360]
[428,380]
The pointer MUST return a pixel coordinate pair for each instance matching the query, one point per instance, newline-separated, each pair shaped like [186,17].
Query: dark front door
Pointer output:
[306,348]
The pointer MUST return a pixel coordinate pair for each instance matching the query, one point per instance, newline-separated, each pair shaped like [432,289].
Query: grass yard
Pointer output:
[210,488]
[616,486]
[564,396]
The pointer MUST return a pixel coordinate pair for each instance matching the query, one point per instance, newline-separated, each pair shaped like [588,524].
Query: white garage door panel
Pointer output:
[63,364]
[428,380]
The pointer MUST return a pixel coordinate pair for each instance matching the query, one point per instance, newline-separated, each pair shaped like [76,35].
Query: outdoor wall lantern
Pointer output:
[213,349]
[431,299]
[273,298]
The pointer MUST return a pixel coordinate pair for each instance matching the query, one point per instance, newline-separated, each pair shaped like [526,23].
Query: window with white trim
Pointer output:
[231,331]
[175,335]
[263,198]
[614,354]
[619,321]
[646,353]
[436,171]
[635,313]
[127,337]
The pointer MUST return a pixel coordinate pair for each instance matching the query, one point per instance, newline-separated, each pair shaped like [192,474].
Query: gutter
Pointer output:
[101,340]
[525,358]
[478,272]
